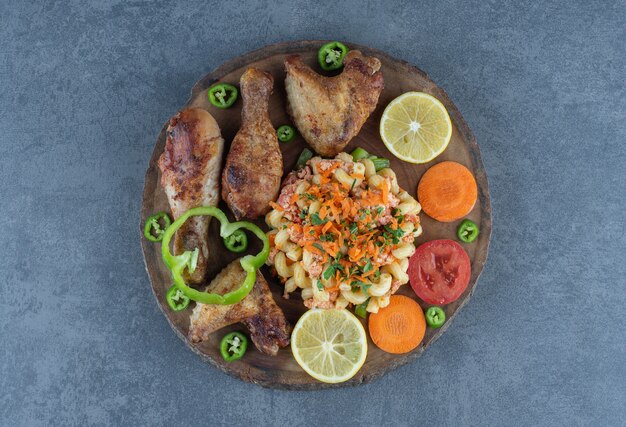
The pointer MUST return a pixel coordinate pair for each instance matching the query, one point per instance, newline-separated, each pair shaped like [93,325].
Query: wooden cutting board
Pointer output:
[282,371]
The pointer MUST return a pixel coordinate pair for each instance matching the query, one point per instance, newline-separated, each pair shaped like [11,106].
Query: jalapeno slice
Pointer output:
[305,156]
[380,163]
[435,317]
[233,346]
[223,95]
[359,153]
[330,56]
[361,309]
[286,133]
[155,226]
[467,231]
[236,242]
[176,299]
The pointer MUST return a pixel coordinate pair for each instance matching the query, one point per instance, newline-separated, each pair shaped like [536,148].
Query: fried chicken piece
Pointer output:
[329,111]
[268,327]
[190,173]
[254,166]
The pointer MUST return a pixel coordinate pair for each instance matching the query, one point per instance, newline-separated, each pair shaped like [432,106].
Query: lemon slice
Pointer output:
[416,127]
[330,345]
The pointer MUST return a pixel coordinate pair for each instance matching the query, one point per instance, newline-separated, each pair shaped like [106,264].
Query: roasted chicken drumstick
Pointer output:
[329,111]
[254,166]
[190,173]
[266,322]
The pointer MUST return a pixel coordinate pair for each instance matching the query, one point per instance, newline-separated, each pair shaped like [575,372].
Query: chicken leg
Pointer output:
[190,171]
[254,166]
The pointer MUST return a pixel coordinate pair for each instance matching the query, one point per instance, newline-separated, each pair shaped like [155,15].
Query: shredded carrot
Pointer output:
[277,206]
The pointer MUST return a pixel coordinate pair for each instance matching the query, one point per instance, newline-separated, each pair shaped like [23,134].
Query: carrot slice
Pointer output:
[447,191]
[399,327]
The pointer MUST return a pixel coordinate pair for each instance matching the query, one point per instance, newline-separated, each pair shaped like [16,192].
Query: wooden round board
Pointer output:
[282,371]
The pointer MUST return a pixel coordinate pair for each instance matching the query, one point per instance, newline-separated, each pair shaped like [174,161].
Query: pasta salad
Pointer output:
[343,233]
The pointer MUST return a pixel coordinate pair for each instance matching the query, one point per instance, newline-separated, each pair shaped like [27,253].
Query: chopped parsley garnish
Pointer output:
[368,266]
[316,220]
[327,237]
[318,246]
[354,228]
[329,272]
[320,285]
[393,234]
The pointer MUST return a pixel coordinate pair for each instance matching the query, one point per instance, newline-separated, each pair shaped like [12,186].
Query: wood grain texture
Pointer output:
[282,371]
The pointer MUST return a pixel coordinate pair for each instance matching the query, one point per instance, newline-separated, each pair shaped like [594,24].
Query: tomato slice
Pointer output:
[439,271]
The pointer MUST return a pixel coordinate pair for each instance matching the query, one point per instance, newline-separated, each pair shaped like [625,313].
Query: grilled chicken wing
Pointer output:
[254,166]
[329,111]
[268,327]
[190,171]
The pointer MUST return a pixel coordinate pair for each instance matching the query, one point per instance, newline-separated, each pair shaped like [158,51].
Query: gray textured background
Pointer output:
[85,89]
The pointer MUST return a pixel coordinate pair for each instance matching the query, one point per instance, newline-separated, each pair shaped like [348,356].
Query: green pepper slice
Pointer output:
[330,56]
[176,299]
[223,95]
[379,163]
[435,317]
[359,153]
[305,156]
[177,263]
[361,309]
[286,133]
[467,231]
[153,230]
[233,346]
[236,242]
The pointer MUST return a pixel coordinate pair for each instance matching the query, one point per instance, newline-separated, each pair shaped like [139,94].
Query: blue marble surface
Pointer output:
[86,87]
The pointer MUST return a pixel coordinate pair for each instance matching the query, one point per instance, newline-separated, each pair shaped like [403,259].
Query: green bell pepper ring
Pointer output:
[233,346]
[467,231]
[330,56]
[435,317]
[223,95]
[177,263]
[236,242]
[176,299]
[153,230]
[286,133]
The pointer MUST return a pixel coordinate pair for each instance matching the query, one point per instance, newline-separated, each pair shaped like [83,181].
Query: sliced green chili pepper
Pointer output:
[435,317]
[286,133]
[233,346]
[380,163]
[361,309]
[236,242]
[359,153]
[305,156]
[467,231]
[153,230]
[223,95]
[177,263]
[330,56]
[176,299]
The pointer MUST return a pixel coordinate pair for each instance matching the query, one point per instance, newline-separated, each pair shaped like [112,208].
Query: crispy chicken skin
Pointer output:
[268,327]
[190,173]
[329,111]
[254,166]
